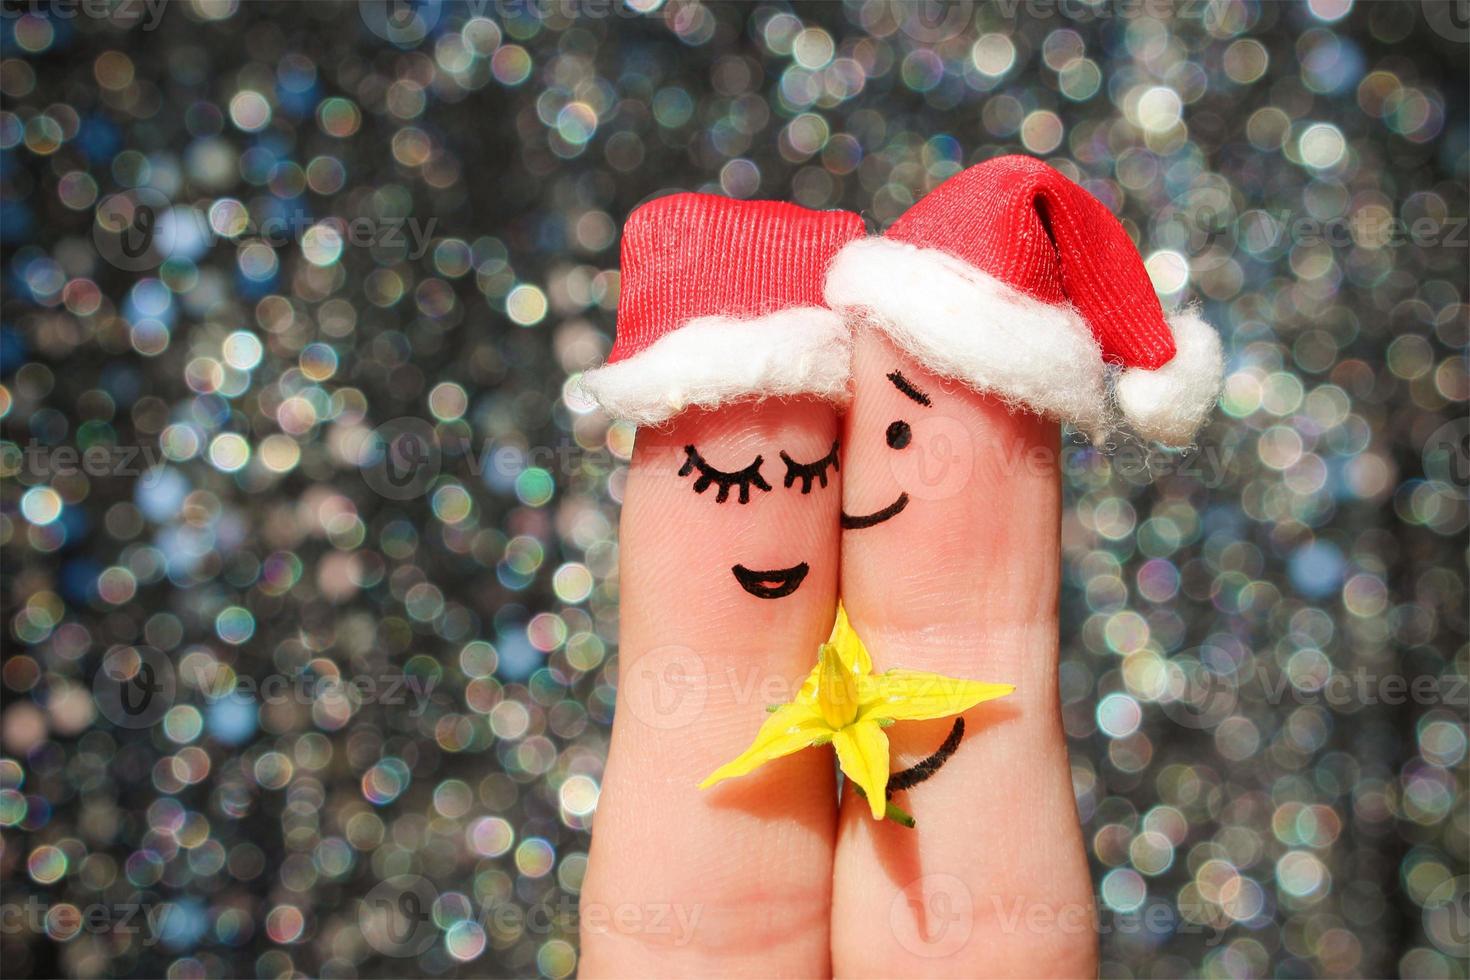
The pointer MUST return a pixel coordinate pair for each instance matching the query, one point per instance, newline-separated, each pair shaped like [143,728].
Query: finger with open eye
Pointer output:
[991,310]
[727,586]
[950,565]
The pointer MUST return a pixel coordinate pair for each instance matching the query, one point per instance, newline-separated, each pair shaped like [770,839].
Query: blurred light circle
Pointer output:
[229,452]
[993,55]
[534,857]
[576,123]
[490,836]
[1159,109]
[1168,270]
[250,111]
[465,941]
[579,795]
[1041,131]
[46,864]
[1119,715]
[1124,890]
[321,244]
[526,305]
[572,582]
[242,350]
[40,505]
[1321,146]
[285,924]
[234,625]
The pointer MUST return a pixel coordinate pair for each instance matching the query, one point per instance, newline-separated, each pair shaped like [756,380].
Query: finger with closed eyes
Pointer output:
[728,585]
[734,368]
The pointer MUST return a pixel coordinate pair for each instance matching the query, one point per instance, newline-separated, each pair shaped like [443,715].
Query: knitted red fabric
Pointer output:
[1027,225]
[694,255]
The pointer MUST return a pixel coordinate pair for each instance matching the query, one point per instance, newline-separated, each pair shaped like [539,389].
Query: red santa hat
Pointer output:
[1014,280]
[722,300]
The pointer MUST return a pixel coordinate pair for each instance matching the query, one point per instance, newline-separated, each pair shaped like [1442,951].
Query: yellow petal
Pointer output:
[837,689]
[807,693]
[790,729]
[914,695]
[862,752]
[849,647]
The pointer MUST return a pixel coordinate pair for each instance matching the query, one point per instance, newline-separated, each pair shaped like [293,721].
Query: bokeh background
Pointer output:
[309,544]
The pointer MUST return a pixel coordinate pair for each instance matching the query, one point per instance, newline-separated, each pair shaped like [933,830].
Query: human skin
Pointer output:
[962,581]
[770,879]
[734,880]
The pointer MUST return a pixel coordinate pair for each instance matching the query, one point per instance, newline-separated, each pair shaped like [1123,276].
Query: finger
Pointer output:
[961,580]
[723,606]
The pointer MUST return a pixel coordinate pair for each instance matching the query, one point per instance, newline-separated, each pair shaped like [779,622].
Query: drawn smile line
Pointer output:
[773,584]
[850,523]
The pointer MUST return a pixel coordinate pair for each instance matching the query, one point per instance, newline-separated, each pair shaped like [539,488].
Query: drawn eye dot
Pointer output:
[899,434]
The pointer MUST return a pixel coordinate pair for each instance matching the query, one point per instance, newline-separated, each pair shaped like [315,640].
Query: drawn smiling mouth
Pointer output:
[773,584]
[850,523]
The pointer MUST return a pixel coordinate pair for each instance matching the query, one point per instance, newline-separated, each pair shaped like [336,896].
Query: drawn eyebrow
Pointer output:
[907,387]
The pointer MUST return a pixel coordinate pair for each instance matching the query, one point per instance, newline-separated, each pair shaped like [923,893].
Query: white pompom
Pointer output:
[1170,403]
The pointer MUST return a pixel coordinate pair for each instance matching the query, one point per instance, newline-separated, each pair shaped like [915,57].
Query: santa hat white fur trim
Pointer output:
[804,350]
[963,323]
[1170,403]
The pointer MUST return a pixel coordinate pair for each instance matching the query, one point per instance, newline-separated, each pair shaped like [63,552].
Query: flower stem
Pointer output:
[896,813]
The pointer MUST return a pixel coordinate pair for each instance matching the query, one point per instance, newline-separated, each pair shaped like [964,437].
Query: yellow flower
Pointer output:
[843,702]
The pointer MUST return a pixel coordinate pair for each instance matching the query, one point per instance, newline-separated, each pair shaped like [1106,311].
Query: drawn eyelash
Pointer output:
[744,479]
[810,471]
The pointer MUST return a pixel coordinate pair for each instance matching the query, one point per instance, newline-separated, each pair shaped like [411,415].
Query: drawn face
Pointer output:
[909,442]
[937,477]
[898,434]
[760,482]
[775,583]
